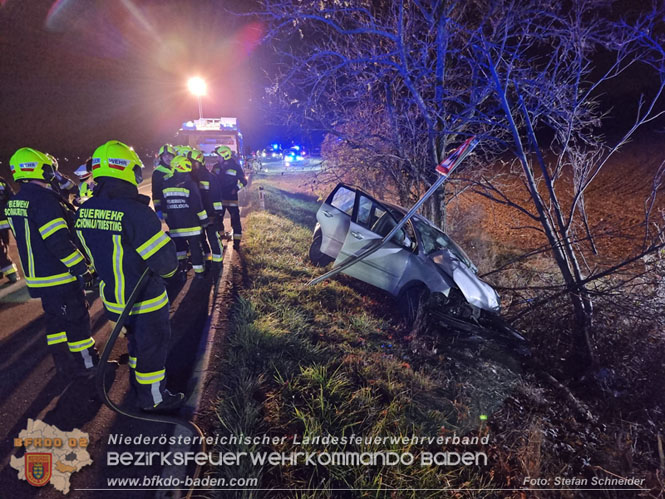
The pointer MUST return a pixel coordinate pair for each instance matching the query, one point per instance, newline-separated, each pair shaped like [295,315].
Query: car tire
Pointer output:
[315,255]
[410,300]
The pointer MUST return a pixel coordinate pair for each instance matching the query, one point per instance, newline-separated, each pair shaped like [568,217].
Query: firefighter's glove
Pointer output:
[87,280]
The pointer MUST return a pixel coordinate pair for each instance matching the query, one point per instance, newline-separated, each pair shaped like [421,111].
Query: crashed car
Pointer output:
[419,262]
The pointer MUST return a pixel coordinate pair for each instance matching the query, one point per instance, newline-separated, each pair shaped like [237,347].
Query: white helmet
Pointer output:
[82,172]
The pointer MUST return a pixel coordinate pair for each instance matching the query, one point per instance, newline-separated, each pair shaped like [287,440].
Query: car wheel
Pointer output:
[410,300]
[315,255]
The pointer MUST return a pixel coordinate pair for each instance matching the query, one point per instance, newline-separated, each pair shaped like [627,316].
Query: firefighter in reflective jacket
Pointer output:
[123,236]
[54,268]
[163,170]
[209,192]
[184,212]
[229,175]
[87,184]
[7,267]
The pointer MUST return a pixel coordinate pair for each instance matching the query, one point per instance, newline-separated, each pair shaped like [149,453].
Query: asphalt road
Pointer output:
[280,167]
[29,387]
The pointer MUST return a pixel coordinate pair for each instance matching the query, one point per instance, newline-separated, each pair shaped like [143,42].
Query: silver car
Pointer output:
[419,261]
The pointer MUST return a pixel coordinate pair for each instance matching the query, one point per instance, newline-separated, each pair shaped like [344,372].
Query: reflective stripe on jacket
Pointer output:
[45,243]
[123,236]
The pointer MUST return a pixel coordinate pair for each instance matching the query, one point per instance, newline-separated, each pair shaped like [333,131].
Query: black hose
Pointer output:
[101,374]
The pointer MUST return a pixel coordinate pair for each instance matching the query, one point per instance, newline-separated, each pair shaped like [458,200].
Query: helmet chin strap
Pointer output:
[138,174]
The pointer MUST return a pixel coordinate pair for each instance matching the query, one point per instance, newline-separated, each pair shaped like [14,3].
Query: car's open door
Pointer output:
[370,222]
[334,217]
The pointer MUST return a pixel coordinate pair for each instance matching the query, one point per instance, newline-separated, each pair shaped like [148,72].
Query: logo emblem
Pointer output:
[37,468]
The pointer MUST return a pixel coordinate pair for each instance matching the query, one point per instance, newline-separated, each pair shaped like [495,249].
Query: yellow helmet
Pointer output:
[30,164]
[117,160]
[224,151]
[181,164]
[182,150]
[196,155]
[167,148]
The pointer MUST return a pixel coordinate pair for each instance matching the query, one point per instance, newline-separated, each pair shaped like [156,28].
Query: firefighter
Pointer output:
[163,170]
[208,189]
[123,236]
[7,267]
[54,268]
[87,184]
[184,213]
[229,176]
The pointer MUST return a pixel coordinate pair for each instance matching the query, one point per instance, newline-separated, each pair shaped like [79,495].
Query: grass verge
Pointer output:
[304,362]
[307,362]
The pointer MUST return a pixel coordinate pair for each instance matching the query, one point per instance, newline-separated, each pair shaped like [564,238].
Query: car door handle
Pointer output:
[327,214]
[357,235]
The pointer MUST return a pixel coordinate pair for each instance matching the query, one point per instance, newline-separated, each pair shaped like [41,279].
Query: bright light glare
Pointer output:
[197,86]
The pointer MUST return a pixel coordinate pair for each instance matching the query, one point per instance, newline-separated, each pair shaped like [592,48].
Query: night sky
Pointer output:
[75,73]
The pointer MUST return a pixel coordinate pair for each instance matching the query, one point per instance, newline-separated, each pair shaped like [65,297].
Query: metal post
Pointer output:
[200,109]
[262,198]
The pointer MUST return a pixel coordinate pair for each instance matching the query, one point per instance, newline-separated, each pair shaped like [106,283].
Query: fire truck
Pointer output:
[206,134]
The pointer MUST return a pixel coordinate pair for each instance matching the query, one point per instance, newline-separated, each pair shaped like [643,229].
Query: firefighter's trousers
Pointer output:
[148,339]
[193,244]
[234,212]
[68,324]
[6,265]
[213,241]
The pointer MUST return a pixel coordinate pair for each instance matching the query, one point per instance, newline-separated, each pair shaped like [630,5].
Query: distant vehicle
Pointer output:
[273,152]
[207,134]
[294,154]
[421,261]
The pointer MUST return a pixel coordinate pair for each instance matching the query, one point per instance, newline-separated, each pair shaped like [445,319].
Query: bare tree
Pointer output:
[542,65]
[397,82]
[406,63]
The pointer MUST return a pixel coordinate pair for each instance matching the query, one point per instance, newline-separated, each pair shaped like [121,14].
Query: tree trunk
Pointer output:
[559,243]
[437,209]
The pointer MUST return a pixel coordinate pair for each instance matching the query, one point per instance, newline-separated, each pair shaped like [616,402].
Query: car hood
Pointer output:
[477,292]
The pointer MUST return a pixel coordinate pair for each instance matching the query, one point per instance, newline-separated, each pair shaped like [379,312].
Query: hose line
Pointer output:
[101,374]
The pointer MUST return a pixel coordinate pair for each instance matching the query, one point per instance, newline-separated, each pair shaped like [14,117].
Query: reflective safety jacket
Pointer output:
[159,174]
[5,193]
[209,189]
[41,225]
[122,235]
[182,206]
[229,174]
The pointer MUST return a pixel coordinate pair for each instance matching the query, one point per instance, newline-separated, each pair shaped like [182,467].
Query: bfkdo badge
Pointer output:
[37,468]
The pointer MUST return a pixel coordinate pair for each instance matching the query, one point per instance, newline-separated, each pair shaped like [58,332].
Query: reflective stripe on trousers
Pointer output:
[55,338]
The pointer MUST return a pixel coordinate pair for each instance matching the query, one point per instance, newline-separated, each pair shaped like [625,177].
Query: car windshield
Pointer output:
[435,240]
